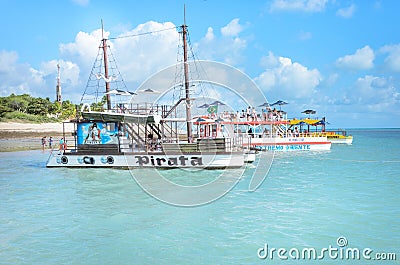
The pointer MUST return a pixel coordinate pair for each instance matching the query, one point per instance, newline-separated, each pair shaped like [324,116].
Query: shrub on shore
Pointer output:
[18,116]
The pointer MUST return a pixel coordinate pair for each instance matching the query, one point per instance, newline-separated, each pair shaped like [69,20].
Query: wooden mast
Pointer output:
[186,74]
[104,43]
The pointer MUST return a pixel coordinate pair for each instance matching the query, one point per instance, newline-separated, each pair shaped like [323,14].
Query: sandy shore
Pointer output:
[27,136]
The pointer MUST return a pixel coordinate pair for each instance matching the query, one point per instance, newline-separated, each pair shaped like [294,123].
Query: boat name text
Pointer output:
[170,161]
[286,147]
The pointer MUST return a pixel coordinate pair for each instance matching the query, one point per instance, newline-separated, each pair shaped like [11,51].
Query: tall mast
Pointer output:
[58,87]
[104,43]
[186,73]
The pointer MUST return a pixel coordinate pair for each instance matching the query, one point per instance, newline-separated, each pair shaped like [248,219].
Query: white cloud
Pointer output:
[84,49]
[346,12]
[232,29]
[69,72]
[288,79]
[310,6]
[210,34]
[392,60]
[138,57]
[227,48]
[363,59]
[376,93]
[7,61]
[18,78]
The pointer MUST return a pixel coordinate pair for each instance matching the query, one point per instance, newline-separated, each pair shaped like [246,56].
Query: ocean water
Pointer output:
[308,200]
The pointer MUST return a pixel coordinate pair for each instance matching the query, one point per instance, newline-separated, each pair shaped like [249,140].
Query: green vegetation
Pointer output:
[27,108]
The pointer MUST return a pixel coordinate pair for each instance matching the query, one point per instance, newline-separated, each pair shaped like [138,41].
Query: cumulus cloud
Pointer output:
[209,35]
[376,93]
[232,29]
[136,57]
[141,56]
[392,60]
[286,78]
[84,48]
[69,71]
[363,59]
[8,61]
[18,78]
[227,48]
[310,6]
[346,12]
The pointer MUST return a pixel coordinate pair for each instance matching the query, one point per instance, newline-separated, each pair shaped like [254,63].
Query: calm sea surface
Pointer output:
[102,216]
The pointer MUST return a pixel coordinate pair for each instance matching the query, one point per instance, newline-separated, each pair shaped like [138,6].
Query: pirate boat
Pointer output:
[135,134]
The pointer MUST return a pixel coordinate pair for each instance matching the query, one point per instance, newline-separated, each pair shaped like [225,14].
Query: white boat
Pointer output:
[144,135]
[338,136]
[275,136]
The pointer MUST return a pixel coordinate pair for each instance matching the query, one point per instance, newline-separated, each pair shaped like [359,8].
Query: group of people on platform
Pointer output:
[250,114]
[49,142]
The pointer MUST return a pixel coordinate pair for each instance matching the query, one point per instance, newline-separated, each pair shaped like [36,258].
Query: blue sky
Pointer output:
[339,57]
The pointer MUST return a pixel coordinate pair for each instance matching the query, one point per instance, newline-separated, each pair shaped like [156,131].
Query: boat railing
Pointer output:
[143,108]
[280,135]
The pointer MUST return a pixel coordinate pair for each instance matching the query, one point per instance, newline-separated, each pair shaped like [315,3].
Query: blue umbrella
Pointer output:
[280,103]
[216,103]
[204,106]
[309,112]
[266,104]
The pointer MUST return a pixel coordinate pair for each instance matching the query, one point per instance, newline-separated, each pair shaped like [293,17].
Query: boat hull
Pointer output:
[136,160]
[290,144]
[341,140]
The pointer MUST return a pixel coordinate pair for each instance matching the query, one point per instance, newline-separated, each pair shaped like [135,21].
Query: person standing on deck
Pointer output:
[248,113]
[61,144]
[254,114]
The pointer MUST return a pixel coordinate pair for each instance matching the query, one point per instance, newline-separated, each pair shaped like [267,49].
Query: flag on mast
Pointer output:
[212,109]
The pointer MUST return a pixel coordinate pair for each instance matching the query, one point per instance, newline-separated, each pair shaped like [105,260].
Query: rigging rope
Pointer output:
[144,33]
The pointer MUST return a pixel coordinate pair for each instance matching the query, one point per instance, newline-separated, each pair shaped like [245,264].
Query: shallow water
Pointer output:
[101,216]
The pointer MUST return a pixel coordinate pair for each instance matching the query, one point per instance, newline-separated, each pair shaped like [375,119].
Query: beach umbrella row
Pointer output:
[120,92]
[215,103]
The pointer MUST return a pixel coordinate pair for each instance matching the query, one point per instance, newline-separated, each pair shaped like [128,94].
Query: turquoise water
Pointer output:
[87,216]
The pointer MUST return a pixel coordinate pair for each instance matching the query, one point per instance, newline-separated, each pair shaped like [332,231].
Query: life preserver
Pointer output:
[110,160]
[201,130]
[64,160]
[88,160]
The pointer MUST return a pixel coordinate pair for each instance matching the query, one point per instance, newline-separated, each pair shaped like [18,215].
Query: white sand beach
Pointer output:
[33,127]
[16,136]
